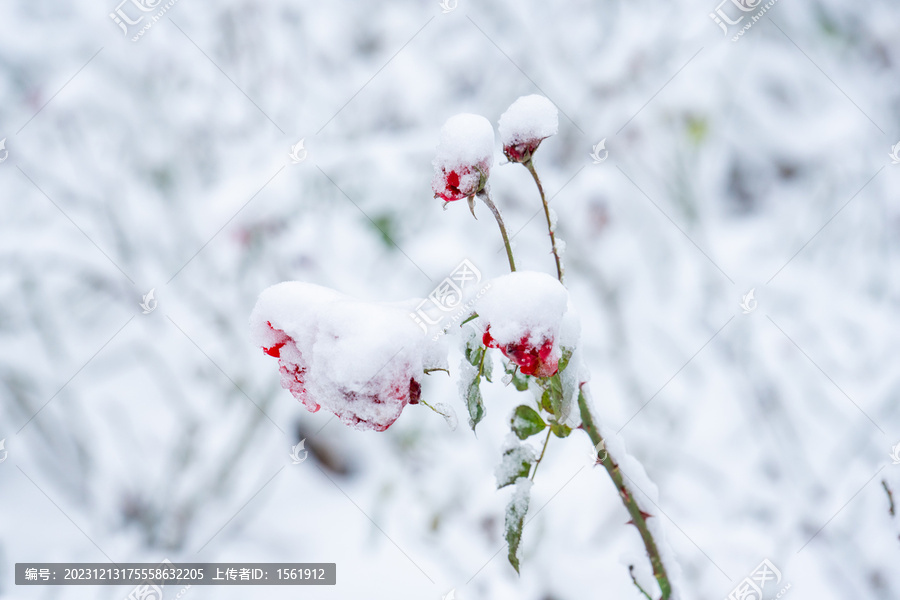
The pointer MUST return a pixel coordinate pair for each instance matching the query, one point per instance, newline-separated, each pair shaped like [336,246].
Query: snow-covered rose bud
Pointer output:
[525,124]
[464,157]
[359,360]
[523,315]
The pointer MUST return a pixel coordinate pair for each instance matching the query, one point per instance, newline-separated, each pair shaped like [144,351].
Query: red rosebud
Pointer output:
[532,360]
[458,183]
[464,156]
[522,152]
[525,124]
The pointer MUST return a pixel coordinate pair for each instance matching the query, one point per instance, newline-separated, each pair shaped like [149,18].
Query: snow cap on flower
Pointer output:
[361,361]
[464,157]
[523,314]
[525,124]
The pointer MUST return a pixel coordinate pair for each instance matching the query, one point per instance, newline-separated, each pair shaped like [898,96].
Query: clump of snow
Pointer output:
[362,361]
[524,304]
[529,119]
[466,140]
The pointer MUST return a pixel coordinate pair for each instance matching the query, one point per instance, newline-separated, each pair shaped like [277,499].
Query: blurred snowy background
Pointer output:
[163,164]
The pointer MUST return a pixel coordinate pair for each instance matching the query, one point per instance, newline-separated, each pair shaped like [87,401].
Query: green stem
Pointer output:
[486,198]
[538,463]
[559,267]
[627,496]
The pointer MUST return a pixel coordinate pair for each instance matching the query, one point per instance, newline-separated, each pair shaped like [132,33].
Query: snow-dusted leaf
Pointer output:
[449,414]
[564,360]
[474,401]
[552,398]
[560,430]
[515,462]
[526,422]
[515,519]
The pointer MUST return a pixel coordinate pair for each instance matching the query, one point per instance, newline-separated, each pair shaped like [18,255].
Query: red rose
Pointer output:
[532,359]
[354,408]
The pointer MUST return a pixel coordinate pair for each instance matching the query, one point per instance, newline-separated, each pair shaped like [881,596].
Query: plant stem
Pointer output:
[544,449]
[559,268]
[635,582]
[890,496]
[628,499]
[486,198]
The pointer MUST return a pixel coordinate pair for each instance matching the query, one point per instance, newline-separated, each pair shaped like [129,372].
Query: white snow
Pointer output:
[466,140]
[518,505]
[530,118]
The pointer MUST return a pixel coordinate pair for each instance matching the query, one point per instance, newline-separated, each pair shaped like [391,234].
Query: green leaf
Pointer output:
[515,464]
[474,402]
[545,400]
[526,422]
[474,354]
[566,357]
[518,380]
[471,317]
[515,519]
[560,430]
